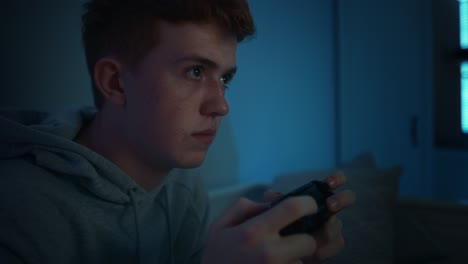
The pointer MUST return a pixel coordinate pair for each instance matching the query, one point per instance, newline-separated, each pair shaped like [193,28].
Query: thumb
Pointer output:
[236,214]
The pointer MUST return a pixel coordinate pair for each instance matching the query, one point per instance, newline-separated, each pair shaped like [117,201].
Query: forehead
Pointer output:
[207,40]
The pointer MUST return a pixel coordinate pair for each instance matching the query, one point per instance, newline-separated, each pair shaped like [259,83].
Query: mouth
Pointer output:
[206,136]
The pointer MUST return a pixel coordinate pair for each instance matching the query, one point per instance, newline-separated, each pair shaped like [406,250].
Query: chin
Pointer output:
[193,161]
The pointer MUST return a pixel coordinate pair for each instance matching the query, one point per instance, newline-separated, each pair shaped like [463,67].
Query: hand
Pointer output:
[243,234]
[329,239]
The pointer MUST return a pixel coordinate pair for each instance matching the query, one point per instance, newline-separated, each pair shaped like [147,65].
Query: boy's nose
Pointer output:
[215,103]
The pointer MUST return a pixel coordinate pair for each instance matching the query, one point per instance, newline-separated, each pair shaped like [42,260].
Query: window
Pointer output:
[464,97]
[450,72]
[463,6]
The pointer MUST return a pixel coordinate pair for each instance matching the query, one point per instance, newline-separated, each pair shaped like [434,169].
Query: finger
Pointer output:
[330,231]
[329,239]
[341,201]
[271,195]
[295,247]
[243,209]
[286,212]
[331,250]
[327,251]
[336,179]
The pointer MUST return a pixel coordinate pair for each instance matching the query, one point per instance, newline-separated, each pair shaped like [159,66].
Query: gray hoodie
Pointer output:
[63,203]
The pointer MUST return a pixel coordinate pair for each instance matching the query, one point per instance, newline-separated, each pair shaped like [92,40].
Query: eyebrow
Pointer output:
[207,62]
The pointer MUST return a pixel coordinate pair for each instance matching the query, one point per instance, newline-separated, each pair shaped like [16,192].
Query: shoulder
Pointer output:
[20,177]
[28,191]
[30,221]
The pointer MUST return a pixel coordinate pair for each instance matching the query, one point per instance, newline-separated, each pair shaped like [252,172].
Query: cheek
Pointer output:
[164,109]
[165,122]
[144,114]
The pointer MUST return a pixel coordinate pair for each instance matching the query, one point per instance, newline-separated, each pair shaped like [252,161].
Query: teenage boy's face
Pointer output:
[175,98]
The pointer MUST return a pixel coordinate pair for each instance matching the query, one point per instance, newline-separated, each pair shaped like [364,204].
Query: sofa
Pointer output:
[379,227]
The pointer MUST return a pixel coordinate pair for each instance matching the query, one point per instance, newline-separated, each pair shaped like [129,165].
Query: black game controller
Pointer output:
[320,191]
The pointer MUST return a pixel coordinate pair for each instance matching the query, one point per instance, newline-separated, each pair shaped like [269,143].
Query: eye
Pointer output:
[195,72]
[227,78]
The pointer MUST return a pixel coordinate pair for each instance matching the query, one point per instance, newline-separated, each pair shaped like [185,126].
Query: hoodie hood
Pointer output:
[48,140]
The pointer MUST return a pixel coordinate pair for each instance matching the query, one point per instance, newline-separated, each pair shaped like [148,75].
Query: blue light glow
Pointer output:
[463,23]
[464,97]
[464,65]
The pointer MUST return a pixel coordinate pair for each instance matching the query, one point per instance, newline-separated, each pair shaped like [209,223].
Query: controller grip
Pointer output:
[308,224]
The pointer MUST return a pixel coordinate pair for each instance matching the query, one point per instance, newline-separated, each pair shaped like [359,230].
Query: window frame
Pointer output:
[447,58]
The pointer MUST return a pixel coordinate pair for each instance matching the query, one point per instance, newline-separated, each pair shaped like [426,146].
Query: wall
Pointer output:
[282,116]
[43,65]
[385,86]
[387,57]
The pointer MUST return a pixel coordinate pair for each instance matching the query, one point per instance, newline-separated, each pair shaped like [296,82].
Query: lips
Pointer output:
[206,136]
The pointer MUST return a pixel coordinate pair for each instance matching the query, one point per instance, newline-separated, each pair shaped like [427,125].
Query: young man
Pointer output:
[111,186]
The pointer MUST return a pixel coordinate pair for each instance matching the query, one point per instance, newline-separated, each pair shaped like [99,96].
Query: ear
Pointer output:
[107,77]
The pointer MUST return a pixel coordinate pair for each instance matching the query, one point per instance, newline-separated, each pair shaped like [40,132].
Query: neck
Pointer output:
[101,137]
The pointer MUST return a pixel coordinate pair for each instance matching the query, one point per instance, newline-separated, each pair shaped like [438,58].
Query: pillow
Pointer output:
[367,225]
[364,160]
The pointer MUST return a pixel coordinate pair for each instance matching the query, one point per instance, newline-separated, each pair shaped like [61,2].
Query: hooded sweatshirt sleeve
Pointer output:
[32,227]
